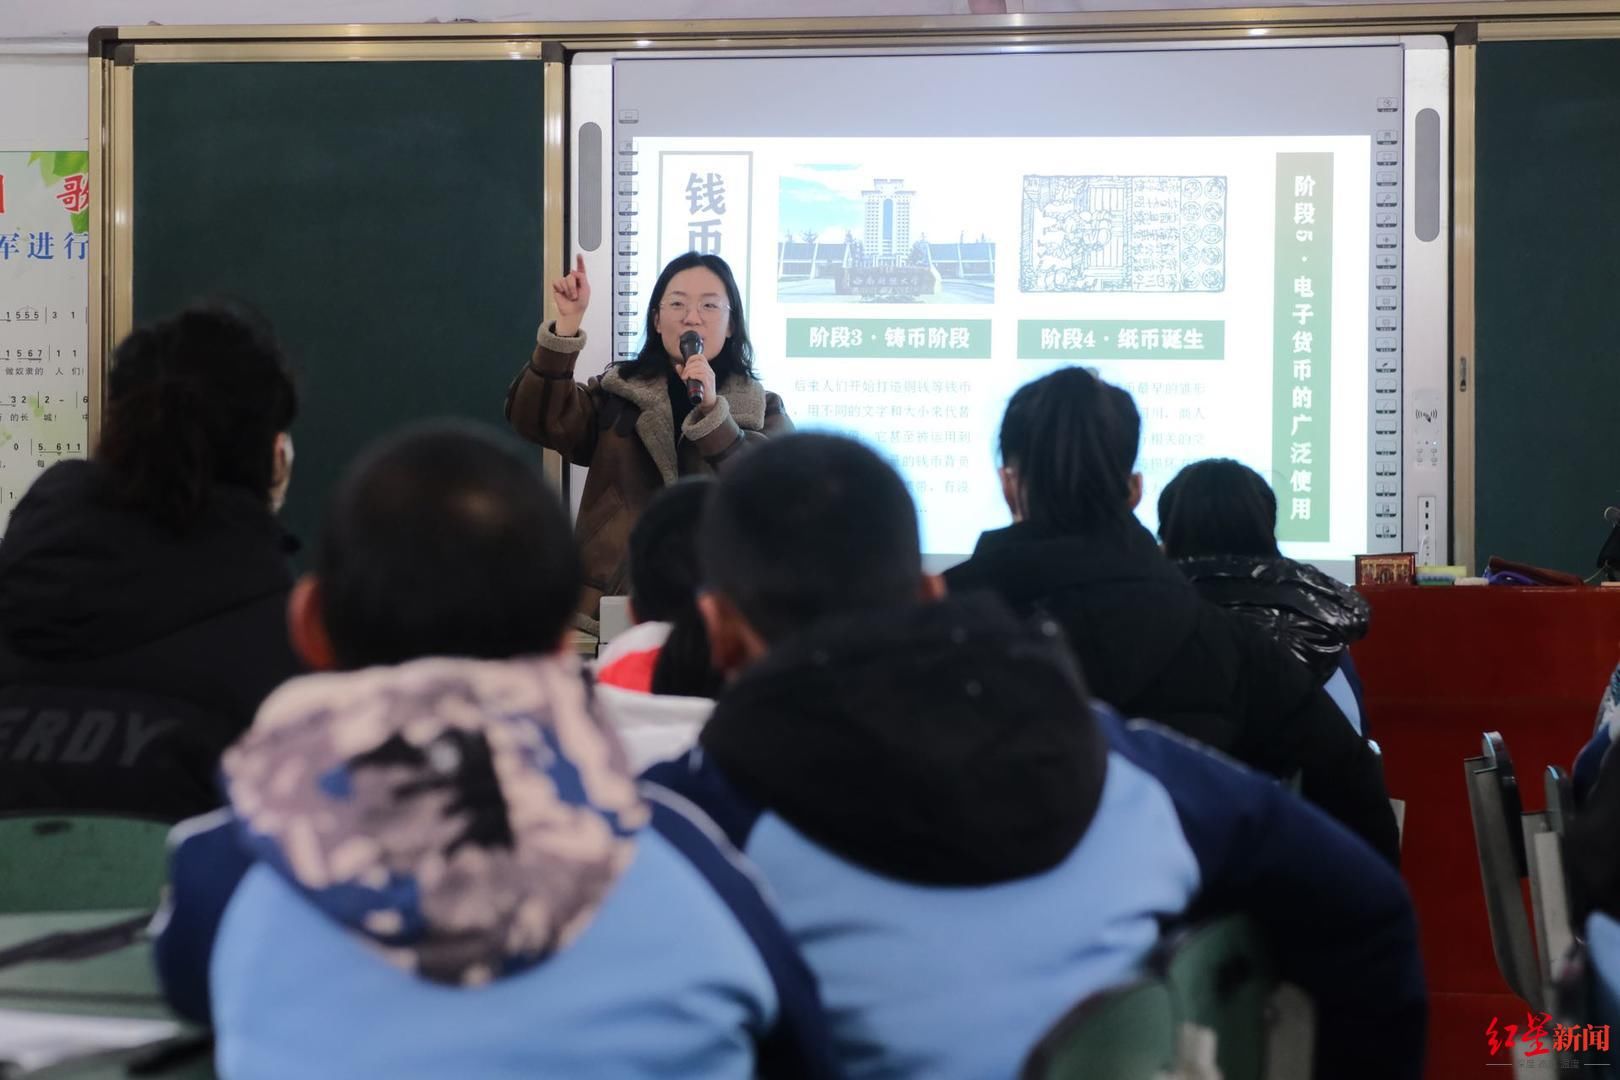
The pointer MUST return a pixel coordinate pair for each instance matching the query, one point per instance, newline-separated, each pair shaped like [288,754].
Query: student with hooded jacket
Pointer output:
[434,861]
[1149,644]
[1218,522]
[960,842]
[143,592]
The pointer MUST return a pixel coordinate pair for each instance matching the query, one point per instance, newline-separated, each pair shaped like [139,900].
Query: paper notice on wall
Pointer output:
[44,247]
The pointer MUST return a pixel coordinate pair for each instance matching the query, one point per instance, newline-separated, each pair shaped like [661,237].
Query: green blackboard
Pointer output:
[1547,298]
[385,216]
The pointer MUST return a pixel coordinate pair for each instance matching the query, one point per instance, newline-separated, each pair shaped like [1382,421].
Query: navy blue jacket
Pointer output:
[963,848]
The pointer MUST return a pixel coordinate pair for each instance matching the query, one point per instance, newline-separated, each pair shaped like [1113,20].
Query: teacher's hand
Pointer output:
[697,367]
[572,295]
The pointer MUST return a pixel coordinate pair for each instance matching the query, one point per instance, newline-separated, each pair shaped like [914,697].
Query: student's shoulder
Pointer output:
[1216,798]
[700,785]
[798,1043]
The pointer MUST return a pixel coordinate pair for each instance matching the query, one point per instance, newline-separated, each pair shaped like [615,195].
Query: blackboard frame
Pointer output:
[114,60]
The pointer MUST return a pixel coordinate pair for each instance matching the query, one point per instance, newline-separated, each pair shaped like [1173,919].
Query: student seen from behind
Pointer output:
[656,681]
[435,861]
[1218,521]
[143,592]
[962,844]
[1150,645]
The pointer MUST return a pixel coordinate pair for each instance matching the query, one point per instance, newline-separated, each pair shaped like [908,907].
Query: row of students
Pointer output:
[436,861]
[453,811]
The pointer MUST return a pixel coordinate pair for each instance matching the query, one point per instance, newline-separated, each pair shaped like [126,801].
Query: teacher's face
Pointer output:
[694,300]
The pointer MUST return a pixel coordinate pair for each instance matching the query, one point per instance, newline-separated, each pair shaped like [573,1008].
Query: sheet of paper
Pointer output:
[34,1040]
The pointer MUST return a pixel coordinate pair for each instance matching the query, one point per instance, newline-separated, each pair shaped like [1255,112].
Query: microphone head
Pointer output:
[1612,515]
[692,344]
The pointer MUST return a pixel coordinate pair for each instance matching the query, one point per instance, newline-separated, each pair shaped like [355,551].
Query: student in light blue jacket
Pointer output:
[964,846]
[434,861]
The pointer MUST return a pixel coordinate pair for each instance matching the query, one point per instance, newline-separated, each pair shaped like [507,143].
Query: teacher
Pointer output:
[636,426]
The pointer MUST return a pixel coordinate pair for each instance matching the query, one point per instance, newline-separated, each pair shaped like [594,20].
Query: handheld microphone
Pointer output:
[691,345]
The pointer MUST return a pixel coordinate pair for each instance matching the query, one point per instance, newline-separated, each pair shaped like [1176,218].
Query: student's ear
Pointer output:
[1136,492]
[933,588]
[733,643]
[280,471]
[306,627]
[1009,491]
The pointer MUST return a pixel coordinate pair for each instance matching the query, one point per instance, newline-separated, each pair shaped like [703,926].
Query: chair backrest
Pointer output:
[1123,1033]
[1500,765]
[81,863]
[1493,801]
[1560,789]
[1222,980]
[1549,884]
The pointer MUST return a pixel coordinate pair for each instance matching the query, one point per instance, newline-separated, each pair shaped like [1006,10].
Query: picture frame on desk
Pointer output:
[1376,570]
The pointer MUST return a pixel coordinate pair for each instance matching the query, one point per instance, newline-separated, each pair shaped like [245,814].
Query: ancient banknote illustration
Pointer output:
[1123,234]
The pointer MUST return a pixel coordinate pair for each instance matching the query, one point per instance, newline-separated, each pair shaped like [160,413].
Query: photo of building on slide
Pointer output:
[851,232]
[1123,234]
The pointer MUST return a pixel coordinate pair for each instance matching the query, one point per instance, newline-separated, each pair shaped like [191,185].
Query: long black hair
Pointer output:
[1218,507]
[194,401]
[664,580]
[1071,441]
[736,356]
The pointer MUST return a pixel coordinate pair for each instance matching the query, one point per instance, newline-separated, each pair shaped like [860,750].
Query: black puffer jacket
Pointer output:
[1150,646]
[131,657]
[1313,615]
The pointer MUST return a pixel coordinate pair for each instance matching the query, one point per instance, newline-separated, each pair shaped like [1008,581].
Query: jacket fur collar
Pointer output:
[655,422]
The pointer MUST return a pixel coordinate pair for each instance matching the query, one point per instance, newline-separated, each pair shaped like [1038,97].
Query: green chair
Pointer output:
[1123,1033]
[65,862]
[1222,980]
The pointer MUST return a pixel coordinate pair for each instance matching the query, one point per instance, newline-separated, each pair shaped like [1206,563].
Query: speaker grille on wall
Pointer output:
[588,212]
[1426,176]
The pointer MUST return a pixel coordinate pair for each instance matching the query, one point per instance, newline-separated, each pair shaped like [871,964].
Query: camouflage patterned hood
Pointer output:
[468,817]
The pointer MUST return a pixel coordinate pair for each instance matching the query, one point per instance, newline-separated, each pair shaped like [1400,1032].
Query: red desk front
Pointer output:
[1440,666]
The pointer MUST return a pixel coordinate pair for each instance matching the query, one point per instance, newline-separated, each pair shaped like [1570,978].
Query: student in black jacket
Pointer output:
[1149,645]
[1218,521]
[143,592]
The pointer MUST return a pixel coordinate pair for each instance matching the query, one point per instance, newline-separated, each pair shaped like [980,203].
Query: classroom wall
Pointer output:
[42,45]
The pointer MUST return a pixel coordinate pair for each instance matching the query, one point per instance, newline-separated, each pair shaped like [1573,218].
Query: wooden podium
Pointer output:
[1440,666]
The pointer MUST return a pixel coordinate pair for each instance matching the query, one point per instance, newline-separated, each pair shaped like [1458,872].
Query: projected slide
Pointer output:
[900,289]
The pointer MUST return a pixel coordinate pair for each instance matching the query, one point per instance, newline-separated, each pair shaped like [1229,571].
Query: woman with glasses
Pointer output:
[637,426]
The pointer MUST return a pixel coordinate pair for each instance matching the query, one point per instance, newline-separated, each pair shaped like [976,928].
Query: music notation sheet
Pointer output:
[44,384]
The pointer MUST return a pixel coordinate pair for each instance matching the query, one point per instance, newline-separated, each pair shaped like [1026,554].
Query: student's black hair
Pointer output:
[652,362]
[664,581]
[807,527]
[1218,507]
[1071,441]
[194,402]
[441,541]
